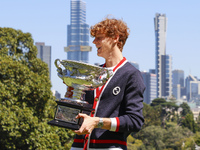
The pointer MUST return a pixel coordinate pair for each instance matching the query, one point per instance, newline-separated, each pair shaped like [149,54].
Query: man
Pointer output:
[118,104]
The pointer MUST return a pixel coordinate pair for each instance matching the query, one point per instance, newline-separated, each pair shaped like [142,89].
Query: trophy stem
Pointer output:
[78,93]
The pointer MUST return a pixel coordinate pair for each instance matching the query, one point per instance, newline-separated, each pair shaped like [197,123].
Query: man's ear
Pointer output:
[116,39]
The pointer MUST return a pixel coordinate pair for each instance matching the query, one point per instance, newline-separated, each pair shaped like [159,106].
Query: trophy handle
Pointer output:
[57,66]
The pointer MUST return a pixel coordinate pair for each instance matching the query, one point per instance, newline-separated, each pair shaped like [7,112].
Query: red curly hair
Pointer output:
[112,28]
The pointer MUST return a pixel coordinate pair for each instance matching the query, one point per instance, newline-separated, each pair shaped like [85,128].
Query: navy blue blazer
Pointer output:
[121,99]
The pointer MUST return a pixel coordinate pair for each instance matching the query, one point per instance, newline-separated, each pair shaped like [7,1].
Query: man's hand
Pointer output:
[89,123]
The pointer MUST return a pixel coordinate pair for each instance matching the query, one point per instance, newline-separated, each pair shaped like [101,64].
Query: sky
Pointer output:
[47,22]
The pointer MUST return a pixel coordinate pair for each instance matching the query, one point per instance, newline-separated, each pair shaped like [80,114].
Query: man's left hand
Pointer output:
[89,123]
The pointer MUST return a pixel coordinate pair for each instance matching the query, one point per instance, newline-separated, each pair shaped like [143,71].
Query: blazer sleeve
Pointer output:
[131,118]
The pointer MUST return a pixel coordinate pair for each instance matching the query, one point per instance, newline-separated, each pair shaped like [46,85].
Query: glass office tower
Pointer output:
[78,33]
[44,53]
[150,83]
[163,62]
[192,88]
[178,83]
[178,77]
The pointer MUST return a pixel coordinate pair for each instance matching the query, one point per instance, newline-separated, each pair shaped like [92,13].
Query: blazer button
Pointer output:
[96,99]
[93,112]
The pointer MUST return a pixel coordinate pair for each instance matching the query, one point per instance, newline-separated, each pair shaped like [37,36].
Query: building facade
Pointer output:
[178,77]
[150,92]
[178,83]
[192,88]
[56,94]
[78,33]
[176,91]
[44,53]
[163,62]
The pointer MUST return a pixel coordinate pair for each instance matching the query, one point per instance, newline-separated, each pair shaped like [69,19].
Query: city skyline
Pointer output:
[47,22]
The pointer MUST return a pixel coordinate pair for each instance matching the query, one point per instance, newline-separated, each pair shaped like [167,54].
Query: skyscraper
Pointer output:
[163,62]
[44,53]
[178,83]
[150,83]
[192,88]
[178,77]
[78,33]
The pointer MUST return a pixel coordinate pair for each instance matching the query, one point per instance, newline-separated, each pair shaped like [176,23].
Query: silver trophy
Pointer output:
[82,77]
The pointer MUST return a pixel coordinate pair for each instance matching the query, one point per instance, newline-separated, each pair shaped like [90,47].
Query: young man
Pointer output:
[117,104]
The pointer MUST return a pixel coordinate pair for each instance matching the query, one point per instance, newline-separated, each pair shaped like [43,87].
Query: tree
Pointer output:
[176,136]
[155,137]
[185,109]
[189,122]
[26,101]
[134,144]
[197,138]
[198,122]
[168,109]
[158,101]
[152,137]
[152,115]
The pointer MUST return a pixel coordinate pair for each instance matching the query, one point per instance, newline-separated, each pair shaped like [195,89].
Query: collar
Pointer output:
[119,64]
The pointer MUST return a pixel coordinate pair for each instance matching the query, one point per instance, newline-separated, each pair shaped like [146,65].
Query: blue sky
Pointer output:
[47,21]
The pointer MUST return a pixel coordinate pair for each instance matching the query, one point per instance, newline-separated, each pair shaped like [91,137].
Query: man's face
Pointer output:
[104,45]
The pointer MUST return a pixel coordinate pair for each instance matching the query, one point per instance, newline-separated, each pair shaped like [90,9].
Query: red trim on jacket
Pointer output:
[79,140]
[108,141]
[118,124]
[101,141]
[119,64]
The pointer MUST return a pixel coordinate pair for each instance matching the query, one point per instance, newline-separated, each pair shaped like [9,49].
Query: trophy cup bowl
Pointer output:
[82,77]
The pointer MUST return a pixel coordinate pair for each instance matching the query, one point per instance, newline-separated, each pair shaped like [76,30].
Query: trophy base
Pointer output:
[64,124]
[67,111]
